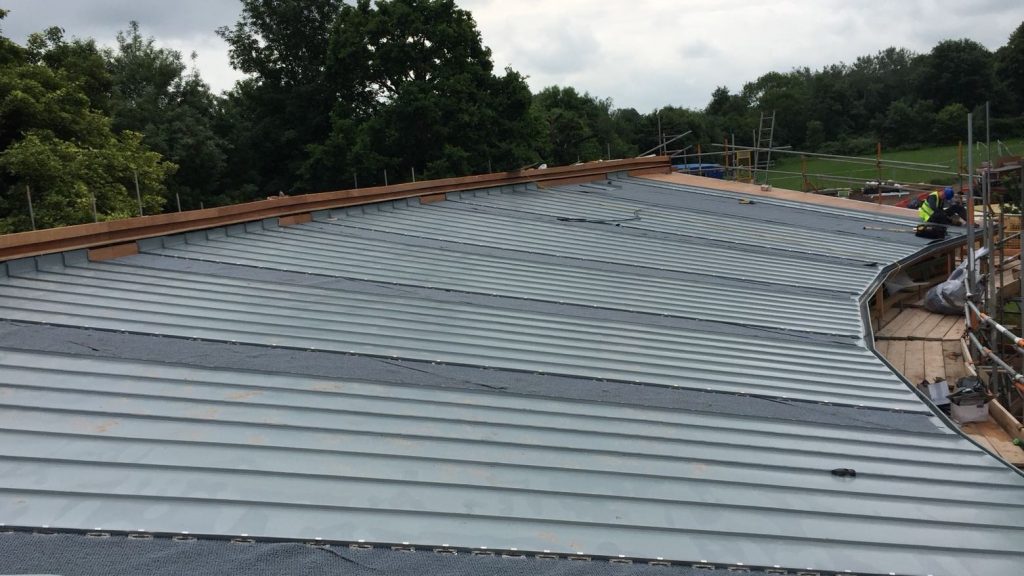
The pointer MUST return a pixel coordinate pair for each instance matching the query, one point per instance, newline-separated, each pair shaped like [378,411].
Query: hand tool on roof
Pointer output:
[928,230]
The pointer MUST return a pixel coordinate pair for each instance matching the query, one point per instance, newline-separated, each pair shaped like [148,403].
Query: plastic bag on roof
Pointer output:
[949,297]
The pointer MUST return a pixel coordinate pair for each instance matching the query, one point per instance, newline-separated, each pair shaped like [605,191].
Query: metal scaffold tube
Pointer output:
[988,354]
[972,280]
[999,328]
[837,157]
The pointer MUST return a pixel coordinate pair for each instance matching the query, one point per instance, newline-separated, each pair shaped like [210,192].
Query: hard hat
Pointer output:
[948,192]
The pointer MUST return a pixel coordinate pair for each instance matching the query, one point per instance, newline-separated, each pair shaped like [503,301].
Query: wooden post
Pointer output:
[138,193]
[31,211]
[878,166]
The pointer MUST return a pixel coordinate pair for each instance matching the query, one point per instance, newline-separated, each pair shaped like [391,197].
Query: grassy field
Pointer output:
[824,173]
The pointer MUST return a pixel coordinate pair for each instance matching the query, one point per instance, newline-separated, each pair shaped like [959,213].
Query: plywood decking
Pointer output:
[993,438]
[924,359]
[783,194]
[923,345]
[920,324]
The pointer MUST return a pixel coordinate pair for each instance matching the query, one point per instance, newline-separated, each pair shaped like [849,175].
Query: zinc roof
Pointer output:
[480,312]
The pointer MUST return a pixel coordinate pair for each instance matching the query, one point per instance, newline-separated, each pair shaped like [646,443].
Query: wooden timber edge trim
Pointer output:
[26,244]
[113,251]
[783,194]
[1005,420]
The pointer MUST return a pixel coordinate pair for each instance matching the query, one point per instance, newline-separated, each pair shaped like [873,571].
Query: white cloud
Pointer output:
[659,52]
[211,59]
[640,53]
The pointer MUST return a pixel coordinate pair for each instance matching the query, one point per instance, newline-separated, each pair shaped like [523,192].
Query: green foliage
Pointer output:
[957,71]
[275,117]
[577,127]
[36,96]
[337,90]
[950,123]
[895,97]
[396,86]
[787,95]
[65,177]
[815,135]
[423,93]
[79,60]
[154,94]
[907,122]
[56,142]
[10,53]
[1010,70]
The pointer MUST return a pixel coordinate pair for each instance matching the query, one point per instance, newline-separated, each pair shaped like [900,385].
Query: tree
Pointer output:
[67,179]
[154,94]
[10,53]
[628,125]
[730,114]
[396,85]
[830,100]
[907,122]
[80,60]
[957,71]
[577,127]
[54,141]
[873,82]
[950,124]
[1009,67]
[285,105]
[815,136]
[787,96]
[419,88]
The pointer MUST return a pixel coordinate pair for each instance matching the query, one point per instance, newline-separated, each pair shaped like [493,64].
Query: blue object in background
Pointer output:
[707,170]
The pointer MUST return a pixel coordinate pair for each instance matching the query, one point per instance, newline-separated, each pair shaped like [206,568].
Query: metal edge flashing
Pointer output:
[869,340]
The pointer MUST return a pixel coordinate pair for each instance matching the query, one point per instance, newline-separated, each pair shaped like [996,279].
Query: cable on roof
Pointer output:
[616,221]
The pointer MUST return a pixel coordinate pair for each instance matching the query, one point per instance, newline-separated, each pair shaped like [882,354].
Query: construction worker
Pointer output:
[939,208]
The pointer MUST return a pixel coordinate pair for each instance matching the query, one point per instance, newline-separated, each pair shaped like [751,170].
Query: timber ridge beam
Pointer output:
[82,236]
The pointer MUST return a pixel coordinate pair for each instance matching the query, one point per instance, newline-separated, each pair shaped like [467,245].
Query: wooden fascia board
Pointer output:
[25,244]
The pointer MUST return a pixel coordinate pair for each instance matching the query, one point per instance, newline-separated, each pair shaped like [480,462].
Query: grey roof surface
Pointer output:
[327,250]
[176,448]
[700,295]
[520,234]
[120,297]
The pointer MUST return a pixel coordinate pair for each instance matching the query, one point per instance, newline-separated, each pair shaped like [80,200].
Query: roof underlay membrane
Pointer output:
[625,369]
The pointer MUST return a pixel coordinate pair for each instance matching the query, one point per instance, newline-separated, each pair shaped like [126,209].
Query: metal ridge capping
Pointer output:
[24,244]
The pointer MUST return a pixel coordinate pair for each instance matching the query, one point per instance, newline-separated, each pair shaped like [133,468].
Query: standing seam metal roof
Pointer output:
[282,456]
[529,236]
[569,203]
[311,250]
[101,441]
[191,306]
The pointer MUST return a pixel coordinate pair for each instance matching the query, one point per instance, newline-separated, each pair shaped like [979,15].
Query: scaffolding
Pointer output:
[742,168]
[994,351]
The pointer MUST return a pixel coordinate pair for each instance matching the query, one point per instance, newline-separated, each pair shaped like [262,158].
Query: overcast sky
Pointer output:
[640,53]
